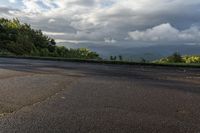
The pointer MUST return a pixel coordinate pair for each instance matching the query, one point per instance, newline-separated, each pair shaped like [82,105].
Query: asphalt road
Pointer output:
[65,97]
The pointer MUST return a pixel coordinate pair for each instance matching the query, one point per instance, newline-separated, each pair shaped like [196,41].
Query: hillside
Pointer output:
[20,39]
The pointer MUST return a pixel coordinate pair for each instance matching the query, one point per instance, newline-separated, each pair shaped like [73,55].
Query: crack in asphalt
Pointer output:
[38,102]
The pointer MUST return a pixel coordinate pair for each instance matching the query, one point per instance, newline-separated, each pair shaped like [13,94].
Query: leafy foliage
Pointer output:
[177,58]
[191,59]
[20,39]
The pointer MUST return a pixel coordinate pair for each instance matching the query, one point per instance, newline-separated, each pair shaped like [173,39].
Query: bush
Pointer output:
[191,59]
[177,58]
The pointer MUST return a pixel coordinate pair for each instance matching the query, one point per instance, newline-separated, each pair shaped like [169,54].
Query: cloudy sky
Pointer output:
[111,22]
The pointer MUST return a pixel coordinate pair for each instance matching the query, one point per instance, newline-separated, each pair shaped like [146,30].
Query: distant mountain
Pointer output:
[137,53]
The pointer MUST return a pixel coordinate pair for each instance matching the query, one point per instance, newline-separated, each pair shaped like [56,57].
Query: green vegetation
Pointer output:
[17,39]
[191,59]
[177,58]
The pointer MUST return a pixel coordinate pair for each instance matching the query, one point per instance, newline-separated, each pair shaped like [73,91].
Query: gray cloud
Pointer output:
[114,20]
[167,33]
[82,2]
[7,12]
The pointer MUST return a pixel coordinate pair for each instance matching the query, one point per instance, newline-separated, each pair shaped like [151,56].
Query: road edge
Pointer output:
[101,61]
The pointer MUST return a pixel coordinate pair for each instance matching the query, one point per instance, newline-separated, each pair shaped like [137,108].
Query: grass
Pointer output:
[103,61]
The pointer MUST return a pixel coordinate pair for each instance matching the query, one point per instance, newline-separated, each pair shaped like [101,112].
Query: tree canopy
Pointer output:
[20,39]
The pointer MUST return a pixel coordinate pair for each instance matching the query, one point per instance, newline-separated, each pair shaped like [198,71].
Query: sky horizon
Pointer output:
[130,23]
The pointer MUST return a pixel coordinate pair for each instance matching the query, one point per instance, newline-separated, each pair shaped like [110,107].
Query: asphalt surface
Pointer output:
[65,97]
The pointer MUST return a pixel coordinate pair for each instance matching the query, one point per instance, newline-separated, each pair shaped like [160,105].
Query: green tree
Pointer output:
[21,39]
[175,58]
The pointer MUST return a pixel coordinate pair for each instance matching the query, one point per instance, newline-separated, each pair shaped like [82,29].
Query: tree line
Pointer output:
[18,38]
[178,58]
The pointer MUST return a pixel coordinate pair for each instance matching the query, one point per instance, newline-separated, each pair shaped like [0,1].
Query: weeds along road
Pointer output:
[63,97]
